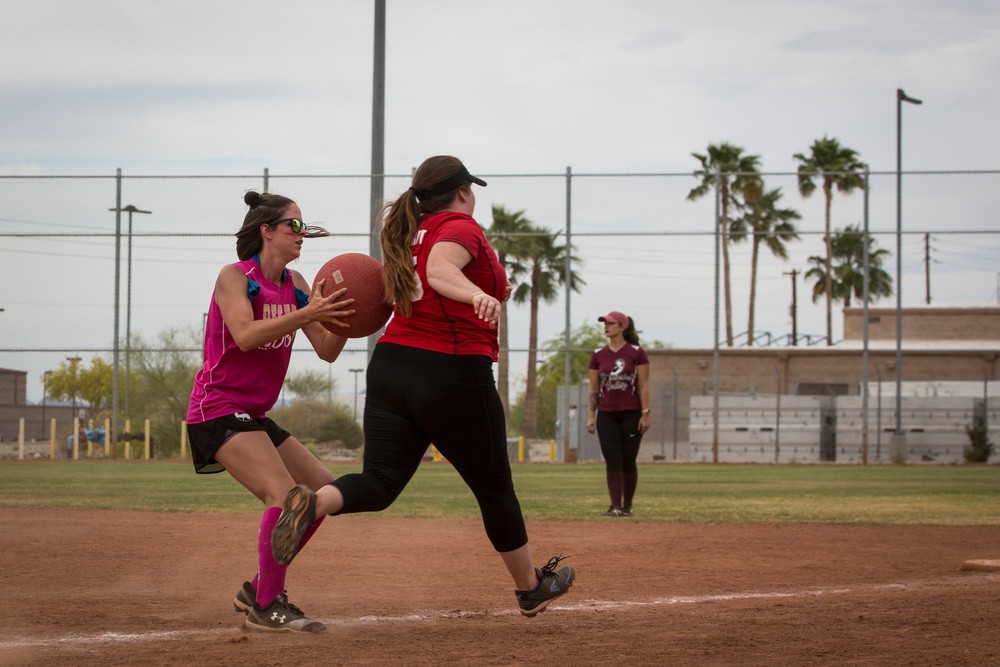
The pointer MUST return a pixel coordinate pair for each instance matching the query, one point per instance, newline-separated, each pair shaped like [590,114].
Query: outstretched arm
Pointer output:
[237,313]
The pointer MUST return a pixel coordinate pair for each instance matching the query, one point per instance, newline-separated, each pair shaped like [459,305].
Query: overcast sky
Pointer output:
[512,87]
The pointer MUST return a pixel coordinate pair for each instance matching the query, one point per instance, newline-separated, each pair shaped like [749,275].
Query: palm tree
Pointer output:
[837,166]
[848,269]
[739,171]
[770,226]
[546,268]
[510,236]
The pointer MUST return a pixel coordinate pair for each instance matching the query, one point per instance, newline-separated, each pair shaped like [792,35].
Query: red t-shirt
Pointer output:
[619,377]
[438,323]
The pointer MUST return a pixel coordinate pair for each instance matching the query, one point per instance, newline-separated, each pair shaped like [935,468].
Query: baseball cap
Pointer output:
[615,316]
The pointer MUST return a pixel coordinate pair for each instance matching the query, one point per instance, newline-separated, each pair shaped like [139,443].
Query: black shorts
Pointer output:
[207,437]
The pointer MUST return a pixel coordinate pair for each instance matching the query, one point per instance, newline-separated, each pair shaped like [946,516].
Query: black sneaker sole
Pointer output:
[240,607]
[298,514]
[540,608]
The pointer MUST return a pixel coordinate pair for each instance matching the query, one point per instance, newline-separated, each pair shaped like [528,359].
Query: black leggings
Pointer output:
[620,439]
[415,398]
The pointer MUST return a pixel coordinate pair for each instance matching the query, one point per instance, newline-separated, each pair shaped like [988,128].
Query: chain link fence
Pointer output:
[83,272]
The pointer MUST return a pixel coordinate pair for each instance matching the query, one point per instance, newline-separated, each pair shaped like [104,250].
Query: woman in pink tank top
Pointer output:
[257,307]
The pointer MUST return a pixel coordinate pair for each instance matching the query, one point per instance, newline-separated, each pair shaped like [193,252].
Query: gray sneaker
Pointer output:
[280,616]
[297,515]
[552,583]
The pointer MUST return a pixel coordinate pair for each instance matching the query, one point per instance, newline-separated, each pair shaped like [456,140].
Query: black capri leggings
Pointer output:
[620,438]
[417,397]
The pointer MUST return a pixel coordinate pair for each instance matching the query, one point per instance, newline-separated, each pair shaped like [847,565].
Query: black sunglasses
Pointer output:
[296,224]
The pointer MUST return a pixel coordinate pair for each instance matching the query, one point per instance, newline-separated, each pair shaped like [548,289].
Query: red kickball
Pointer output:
[362,276]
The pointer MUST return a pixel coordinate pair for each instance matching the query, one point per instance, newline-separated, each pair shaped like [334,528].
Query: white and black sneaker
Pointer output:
[280,616]
[247,595]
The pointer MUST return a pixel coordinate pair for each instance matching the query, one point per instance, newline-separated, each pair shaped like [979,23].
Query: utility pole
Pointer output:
[794,309]
[927,267]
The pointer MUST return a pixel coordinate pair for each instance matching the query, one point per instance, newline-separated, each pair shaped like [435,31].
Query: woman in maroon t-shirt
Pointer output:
[619,407]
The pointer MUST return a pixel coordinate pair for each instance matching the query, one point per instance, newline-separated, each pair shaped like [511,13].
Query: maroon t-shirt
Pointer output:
[619,377]
[436,322]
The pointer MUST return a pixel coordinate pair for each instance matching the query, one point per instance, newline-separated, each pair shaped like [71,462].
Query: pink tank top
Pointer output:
[231,380]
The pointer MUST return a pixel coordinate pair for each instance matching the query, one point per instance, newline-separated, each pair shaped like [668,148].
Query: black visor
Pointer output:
[461,177]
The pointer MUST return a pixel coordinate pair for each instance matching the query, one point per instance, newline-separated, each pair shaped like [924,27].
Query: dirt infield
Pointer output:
[124,588]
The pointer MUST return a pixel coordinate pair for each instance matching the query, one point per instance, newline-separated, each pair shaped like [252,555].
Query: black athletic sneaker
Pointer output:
[297,515]
[280,616]
[627,510]
[552,583]
[247,595]
[244,599]
[613,511]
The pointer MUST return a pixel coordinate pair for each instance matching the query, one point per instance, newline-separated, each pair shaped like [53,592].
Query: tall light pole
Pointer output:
[900,98]
[356,371]
[130,209]
[378,144]
[73,366]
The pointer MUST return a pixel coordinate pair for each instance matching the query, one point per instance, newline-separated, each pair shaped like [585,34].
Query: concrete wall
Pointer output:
[750,430]
[678,375]
[762,429]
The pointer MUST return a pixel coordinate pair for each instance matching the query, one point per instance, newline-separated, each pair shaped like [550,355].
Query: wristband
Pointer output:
[645,411]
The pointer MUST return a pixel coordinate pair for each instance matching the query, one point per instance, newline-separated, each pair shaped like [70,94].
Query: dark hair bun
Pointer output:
[252,199]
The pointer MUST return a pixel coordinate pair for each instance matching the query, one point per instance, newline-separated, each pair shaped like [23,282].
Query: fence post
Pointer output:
[20,439]
[127,442]
[107,439]
[147,440]
[52,439]
[183,439]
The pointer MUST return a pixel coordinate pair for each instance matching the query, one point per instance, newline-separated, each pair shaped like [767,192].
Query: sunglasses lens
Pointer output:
[296,225]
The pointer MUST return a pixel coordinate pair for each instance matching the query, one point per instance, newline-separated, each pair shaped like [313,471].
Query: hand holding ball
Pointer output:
[362,276]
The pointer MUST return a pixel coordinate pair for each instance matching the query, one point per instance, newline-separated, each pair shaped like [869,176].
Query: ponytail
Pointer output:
[630,334]
[400,221]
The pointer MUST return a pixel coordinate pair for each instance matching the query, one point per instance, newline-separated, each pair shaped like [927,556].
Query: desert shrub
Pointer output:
[339,425]
[980,448]
[319,421]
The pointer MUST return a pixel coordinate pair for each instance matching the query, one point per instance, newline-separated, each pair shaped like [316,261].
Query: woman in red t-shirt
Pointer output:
[430,379]
[619,407]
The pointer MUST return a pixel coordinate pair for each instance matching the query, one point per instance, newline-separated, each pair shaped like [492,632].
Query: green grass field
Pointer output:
[883,495]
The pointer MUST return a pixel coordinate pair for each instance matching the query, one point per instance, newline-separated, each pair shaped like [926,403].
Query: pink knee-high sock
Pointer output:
[270,579]
[264,553]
